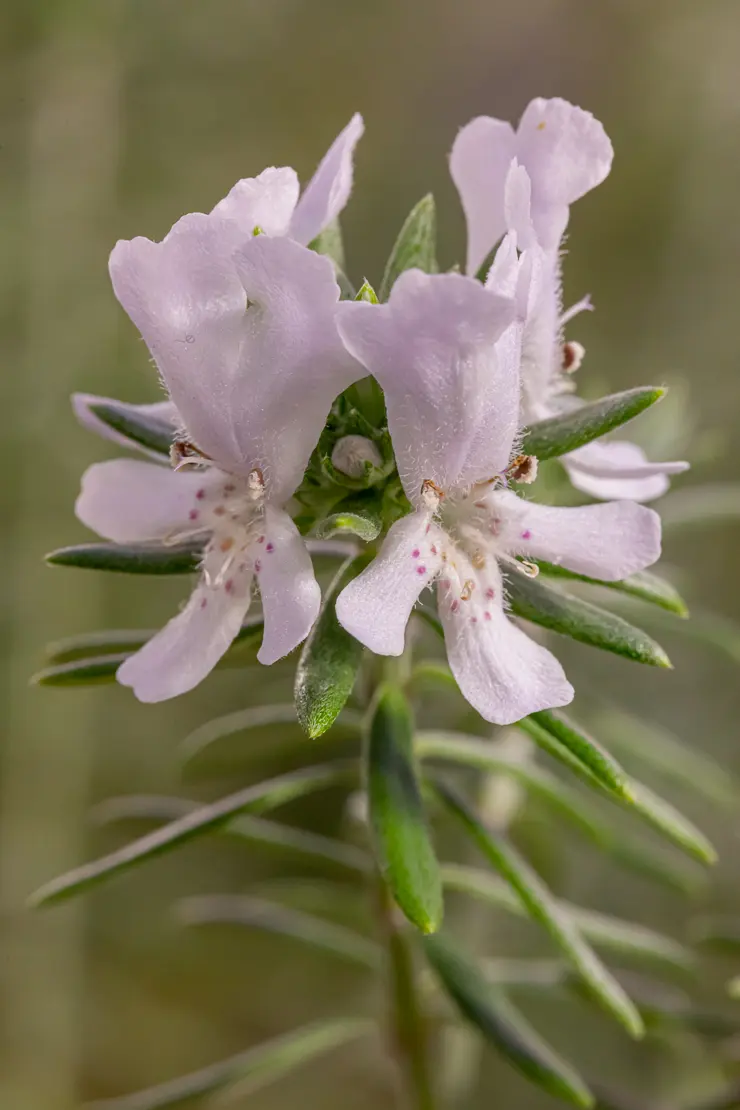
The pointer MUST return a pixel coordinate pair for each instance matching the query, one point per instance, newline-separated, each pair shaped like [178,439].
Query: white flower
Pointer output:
[564,150]
[243,332]
[445,351]
[524,182]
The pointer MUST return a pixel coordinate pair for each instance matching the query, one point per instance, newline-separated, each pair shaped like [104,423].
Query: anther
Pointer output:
[573,355]
[256,483]
[431,494]
[522,468]
[530,569]
[467,590]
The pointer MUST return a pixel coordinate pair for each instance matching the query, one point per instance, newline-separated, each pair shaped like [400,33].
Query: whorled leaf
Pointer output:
[398,823]
[329,661]
[141,427]
[132,558]
[254,799]
[488,1009]
[559,435]
[257,1067]
[545,909]
[584,749]
[643,585]
[415,247]
[256,913]
[558,611]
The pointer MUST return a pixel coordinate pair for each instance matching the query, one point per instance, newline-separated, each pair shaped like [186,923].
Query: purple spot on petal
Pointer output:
[193,514]
[200,494]
[229,585]
[421,570]
[455,606]
[257,567]
[473,620]
[527,535]
[260,539]
[415,553]
[487,615]
[203,602]
[490,593]
[433,549]
[270,547]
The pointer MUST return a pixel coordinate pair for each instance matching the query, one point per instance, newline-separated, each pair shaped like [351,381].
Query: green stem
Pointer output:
[407,1021]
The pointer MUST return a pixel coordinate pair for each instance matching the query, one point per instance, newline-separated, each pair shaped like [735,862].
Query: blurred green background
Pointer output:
[117,116]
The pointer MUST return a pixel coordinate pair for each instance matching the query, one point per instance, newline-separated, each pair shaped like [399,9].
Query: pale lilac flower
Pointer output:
[243,332]
[445,354]
[603,469]
[564,150]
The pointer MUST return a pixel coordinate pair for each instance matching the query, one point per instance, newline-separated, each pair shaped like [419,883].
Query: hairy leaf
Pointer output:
[132,558]
[643,585]
[415,247]
[560,435]
[150,431]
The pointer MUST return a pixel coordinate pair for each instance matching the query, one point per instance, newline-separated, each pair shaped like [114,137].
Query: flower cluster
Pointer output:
[255,341]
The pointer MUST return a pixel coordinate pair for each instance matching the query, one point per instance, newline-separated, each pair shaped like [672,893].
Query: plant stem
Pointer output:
[407,1021]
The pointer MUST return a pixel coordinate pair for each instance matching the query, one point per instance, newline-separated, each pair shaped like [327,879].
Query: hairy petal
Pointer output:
[452,401]
[608,541]
[266,202]
[188,647]
[82,407]
[129,501]
[375,607]
[291,596]
[566,153]
[502,672]
[328,190]
[479,162]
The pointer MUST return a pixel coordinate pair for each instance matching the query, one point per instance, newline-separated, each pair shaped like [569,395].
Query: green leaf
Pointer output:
[364,525]
[91,671]
[544,908]
[500,1023]
[254,799]
[259,1066]
[415,247]
[329,661]
[430,673]
[559,435]
[367,293]
[642,801]
[283,920]
[643,585]
[396,811]
[160,808]
[329,243]
[609,934]
[141,427]
[584,749]
[534,601]
[719,935]
[134,558]
[93,644]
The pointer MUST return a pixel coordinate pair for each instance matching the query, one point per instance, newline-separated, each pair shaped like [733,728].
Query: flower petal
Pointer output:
[452,400]
[292,364]
[82,407]
[375,607]
[608,541]
[502,672]
[566,153]
[266,202]
[189,646]
[129,501]
[328,190]
[291,596]
[619,469]
[479,162]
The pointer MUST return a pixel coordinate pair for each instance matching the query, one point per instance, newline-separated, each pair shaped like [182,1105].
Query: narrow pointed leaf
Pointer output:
[561,434]
[92,644]
[150,431]
[329,661]
[94,670]
[535,601]
[415,247]
[643,585]
[255,830]
[400,832]
[544,908]
[367,293]
[607,933]
[134,558]
[254,799]
[705,504]
[329,243]
[501,1024]
[258,1066]
[283,920]
[434,675]
[364,525]
[585,750]
[639,799]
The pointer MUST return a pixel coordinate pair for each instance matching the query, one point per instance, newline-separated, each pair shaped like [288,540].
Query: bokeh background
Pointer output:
[117,116]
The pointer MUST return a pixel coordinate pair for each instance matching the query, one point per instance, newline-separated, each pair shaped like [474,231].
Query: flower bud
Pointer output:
[352,453]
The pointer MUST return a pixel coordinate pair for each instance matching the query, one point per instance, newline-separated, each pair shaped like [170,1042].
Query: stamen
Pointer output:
[184,452]
[522,468]
[431,494]
[467,590]
[573,355]
[530,569]
[584,305]
[256,483]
